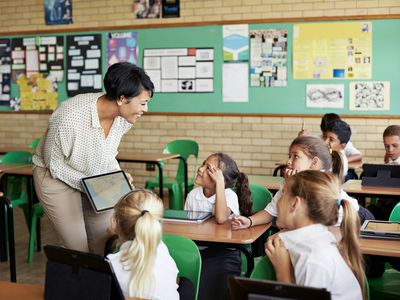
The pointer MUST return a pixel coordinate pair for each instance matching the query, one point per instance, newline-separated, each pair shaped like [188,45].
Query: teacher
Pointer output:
[82,140]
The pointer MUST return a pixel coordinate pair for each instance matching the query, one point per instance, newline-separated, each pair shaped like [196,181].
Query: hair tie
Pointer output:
[339,202]
[330,150]
[143,212]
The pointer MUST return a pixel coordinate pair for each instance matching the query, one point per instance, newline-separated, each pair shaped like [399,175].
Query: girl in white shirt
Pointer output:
[143,266]
[307,253]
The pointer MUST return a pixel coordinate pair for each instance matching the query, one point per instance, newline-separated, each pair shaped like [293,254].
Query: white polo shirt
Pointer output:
[394,162]
[350,150]
[196,201]
[317,262]
[164,273]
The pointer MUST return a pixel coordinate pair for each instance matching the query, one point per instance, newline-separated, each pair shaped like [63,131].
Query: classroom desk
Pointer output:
[19,291]
[157,159]
[209,233]
[355,188]
[4,150]
[272,183]
[380,247]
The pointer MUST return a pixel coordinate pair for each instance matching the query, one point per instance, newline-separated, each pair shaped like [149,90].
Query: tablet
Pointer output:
[381,229]
[105,190]
[188,216]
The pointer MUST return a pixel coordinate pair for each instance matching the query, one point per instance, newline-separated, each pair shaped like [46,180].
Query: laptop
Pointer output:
[241,288]
[386,230]
[72,274]
[186,216]
[105,190]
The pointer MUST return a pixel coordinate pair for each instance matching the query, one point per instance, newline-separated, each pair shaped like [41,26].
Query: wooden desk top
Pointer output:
[145,157]
[380,247]
[210,231]
[8,168]
[20,291]
[4,150]
[270,182]
[351,165]
[355,187]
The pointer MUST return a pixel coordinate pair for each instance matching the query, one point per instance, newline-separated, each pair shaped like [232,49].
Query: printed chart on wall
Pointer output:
[121,46]
[5,72]
[84,64]
[338,50]
[180,69]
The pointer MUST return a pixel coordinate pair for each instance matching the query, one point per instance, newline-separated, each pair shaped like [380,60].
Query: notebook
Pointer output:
[241,288]
[105,190]
[188,216]
[72,274]
[380,230]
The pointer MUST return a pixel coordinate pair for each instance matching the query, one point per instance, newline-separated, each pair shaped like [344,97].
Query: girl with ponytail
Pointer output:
[307,253]
[143,266]
[223,190]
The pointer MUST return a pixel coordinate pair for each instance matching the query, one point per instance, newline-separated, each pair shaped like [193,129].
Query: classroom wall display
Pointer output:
[122,46]
[180,69]
[84,64]
[58,12]
[337,50]
[325,95]
[369,95]
[147,9]
[268,57]
[170,9]
[236,42]
[5,72]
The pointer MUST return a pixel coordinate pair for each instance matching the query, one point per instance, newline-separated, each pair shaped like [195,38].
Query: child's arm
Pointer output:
[280,259]
[355,157]
[222,211]
[241,222]
[303,131]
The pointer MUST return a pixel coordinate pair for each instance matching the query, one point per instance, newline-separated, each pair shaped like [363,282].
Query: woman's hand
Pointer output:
[240,222]
[280,259]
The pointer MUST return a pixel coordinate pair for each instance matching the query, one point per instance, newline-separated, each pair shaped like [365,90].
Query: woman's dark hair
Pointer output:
[126,79]
[327,120]
[237,180]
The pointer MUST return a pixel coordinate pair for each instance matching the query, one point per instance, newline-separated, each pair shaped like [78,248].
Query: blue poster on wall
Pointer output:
[58,12]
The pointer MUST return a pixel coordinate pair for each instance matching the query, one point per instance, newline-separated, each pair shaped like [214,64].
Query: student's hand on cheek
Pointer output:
[289,172]
[216,175]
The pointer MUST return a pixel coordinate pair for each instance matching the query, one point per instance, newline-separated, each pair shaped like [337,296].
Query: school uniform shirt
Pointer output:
[350,150]
[75,145]
[317,262]
[197,201]
[394,161]
[345,162]
[164,273]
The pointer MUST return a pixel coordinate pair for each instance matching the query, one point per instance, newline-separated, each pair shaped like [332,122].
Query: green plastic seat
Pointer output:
[263,270]
[395,214]
[185,148]
[37,213]
[35,143]
[186,256]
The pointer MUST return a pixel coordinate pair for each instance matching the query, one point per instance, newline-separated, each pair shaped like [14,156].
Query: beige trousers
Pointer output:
[77,225]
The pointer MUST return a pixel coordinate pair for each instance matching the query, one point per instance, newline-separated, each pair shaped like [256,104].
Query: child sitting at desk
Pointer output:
[391,141]
[307,253]
[215,179]
[143,266]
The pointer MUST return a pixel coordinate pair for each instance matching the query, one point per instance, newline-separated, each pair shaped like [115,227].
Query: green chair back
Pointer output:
[261,196]
[264,270]
[17,157]
[395,214]
[184,148]
[34,143]
[186,256]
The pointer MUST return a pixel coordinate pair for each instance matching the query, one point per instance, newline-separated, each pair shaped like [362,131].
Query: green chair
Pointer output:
[388,286]
[34,143]
[264,270]
[186,256]
[185,148]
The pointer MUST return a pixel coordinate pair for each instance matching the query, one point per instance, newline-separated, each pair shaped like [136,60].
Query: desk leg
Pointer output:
[186,180]
[3,234]
[11,241]
[161,179]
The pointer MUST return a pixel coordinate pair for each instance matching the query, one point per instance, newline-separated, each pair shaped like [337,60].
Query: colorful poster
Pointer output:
[268,57]
[147,9]
[325,95]
[5,72]
[122,46]
[236,42]
[58,12]
[337,50]
[369,95]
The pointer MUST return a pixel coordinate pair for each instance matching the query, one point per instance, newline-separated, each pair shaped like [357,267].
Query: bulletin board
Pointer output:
[276,100]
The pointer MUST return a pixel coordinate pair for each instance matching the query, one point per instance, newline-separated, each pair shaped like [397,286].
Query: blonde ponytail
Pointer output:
[138,219]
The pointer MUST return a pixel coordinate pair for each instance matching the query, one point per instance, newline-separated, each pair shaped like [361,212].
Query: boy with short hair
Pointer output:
[391,141]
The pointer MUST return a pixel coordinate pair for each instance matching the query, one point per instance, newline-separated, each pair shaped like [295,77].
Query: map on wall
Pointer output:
[338,50]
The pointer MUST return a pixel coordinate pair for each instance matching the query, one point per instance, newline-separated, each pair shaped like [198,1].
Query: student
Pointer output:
[216,178]
[143,265]
[305,153]
[391,141]
[307,253]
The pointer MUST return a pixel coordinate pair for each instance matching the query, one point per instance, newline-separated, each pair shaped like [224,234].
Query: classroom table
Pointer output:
[272,183]
[355,188]
[4,150]
[209,233]
[380,247]
[157,159]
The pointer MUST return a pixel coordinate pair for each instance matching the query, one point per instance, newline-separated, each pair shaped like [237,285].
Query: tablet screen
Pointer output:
[383,227]
[105,190]
[186,215]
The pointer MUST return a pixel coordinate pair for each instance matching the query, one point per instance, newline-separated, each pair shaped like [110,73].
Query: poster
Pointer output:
[236,42]
[170,9]
[5,72]
[58,12]
[268,57]
[369,95]
[332,50]
[182,70]
[121,47]
[325,95]
[147,9]
[235,82]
